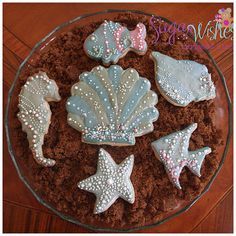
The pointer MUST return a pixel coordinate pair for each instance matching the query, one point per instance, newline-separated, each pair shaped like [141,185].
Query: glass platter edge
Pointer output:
[69,218]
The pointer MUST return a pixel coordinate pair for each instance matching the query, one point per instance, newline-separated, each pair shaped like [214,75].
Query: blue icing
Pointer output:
[182,81]
[96,47]
[150,114]
[111,41]
[110,117]
[84,110]
[98,87]
[135,95]
[114,73]
[172,151]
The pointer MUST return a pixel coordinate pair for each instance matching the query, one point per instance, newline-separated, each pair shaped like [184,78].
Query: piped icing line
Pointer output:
[118,34]
[110,182]
[172,151]
[112,106]
[35,113]
[182,81]
[111,41]
[138,38]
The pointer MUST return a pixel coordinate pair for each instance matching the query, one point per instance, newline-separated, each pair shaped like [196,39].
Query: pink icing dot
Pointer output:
[117,38]
[226,22]
[138,37]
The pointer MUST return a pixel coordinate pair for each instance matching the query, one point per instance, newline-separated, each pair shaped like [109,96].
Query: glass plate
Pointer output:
[224,116]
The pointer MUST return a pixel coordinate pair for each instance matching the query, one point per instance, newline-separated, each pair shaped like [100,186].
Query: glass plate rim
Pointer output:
[69,218]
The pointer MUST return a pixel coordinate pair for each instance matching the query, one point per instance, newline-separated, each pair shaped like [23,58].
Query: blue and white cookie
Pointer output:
[35,113]
[182,81]
[110,182]
[111,41]
[112,106]
[172,151]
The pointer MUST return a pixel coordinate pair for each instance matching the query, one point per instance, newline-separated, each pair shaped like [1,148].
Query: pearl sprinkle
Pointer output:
[182,81]
[172,151]
[111,41]
[112,106]
[35,113]
[110,182]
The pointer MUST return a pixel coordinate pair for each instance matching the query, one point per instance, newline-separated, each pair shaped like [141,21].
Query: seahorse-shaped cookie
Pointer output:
[35,113]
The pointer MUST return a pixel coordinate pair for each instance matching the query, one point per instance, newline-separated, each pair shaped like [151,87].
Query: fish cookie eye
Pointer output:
[93,38]
[96,51]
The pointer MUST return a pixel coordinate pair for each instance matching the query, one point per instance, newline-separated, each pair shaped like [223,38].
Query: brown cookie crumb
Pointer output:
[156,197]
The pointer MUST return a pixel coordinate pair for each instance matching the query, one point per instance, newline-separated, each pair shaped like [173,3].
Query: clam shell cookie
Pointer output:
[35,113]
[112,106]
[111,41]
[172,151]
[182,81]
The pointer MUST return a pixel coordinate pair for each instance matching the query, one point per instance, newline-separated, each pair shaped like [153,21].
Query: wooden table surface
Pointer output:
[23,26]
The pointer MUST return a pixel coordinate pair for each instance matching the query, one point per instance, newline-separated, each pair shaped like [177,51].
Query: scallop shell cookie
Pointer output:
[35,113]
[182,81]
[111,41]
[112,106]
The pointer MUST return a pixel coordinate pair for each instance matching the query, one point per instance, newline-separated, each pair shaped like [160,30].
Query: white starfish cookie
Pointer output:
[110,182]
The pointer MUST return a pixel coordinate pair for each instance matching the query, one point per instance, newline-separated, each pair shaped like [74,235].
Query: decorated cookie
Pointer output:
[35,113]
[112,106]
[182,81]
[110,182]
[172,151]
[111,41]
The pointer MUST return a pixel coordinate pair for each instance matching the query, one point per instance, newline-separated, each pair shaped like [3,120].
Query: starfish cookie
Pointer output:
[172,151]
[110,182]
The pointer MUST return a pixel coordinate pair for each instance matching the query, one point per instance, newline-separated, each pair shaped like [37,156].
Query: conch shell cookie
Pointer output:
[112,106]
[111,41]
[172,151]
[35,113]
[182,81]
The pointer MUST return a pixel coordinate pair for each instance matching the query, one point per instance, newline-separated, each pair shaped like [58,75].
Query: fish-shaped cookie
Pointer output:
[111,41]
[182,81]
[35,113]
[172,151]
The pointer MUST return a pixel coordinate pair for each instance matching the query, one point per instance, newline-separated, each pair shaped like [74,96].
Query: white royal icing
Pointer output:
[112,106]
[182,81]
[172,151]
[111,41]
[110,182]
[35,113]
